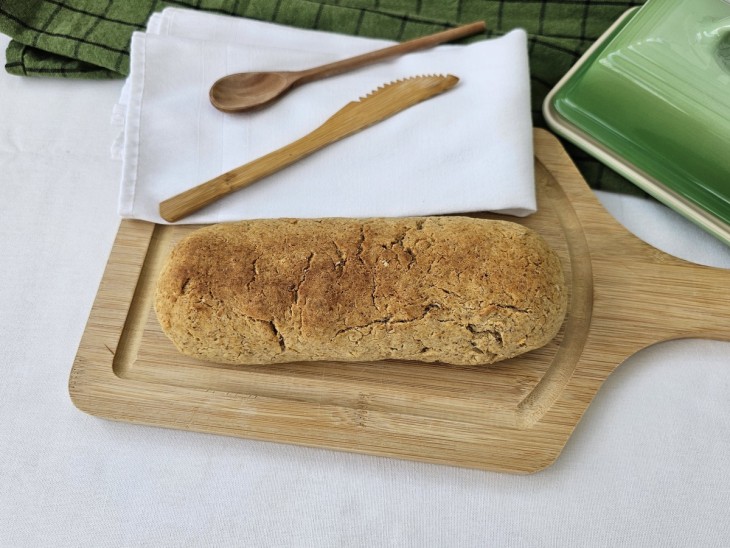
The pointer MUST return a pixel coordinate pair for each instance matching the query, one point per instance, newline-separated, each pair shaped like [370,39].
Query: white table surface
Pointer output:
[649,464]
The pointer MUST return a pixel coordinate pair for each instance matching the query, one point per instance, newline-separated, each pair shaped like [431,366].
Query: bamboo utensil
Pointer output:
[353,117]
[250,90]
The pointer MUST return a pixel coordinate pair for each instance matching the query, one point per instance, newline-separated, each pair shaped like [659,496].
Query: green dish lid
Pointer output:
[651,99]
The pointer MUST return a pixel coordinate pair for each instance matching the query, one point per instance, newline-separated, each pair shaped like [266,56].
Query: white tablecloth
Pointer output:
[649,464]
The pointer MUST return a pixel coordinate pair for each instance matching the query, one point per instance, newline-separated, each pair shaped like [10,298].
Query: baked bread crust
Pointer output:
[456,290]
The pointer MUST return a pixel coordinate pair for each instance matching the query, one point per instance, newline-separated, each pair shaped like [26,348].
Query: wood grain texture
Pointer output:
[512,416]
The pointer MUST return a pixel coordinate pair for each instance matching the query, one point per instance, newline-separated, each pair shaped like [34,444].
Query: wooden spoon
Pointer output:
[251,90]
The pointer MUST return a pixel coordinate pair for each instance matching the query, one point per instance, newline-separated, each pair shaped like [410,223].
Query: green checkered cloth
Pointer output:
[90,38]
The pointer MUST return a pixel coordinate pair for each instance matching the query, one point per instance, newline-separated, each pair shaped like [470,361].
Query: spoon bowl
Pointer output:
[250,90]
[246,91]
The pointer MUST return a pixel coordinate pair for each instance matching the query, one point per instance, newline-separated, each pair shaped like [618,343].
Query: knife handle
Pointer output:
[188,202]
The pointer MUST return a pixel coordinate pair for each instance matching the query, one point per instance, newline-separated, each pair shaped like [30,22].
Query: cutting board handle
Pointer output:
[682,299]
[641,295]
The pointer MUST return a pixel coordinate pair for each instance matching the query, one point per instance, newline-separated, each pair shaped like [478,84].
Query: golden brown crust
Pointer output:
[451,289]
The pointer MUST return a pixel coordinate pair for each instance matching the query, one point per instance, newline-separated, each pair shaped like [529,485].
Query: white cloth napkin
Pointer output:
[469,149]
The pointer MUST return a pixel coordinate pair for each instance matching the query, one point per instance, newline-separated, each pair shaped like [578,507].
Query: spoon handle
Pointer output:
[358,61]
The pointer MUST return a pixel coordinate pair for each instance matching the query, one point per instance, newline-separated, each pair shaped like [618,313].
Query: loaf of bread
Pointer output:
[458,290]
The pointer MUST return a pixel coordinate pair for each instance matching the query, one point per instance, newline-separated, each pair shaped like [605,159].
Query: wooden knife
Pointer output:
[378,105]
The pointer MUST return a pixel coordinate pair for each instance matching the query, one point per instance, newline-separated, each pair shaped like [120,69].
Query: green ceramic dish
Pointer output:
[651,99]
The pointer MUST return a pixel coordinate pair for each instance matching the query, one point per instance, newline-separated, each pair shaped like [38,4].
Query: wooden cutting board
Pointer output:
[512,416]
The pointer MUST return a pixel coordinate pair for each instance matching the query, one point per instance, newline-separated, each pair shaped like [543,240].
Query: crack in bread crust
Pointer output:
[451,289]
